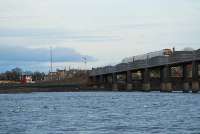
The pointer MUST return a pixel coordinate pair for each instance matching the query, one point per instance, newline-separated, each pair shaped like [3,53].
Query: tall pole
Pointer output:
[51,59]
[51,64]
[85,62]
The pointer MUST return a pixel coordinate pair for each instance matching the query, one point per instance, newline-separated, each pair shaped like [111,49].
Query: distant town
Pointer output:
[17,75]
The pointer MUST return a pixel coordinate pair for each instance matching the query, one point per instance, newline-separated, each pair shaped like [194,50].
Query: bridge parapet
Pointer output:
[103,70]
[121,67]
[96,71]
[139,64]
[159,60]
[197,54]
[109,69]
[181,56]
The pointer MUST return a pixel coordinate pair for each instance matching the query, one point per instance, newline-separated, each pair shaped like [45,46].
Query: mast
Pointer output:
[85,62]
[51,59]
[51,63]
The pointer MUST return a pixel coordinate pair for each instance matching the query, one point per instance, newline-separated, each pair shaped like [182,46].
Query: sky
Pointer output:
[103,31]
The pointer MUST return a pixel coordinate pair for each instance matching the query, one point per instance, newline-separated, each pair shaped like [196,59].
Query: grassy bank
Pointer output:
[45,87]
[38,87]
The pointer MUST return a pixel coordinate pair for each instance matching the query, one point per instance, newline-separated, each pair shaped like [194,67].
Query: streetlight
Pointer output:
[85,62]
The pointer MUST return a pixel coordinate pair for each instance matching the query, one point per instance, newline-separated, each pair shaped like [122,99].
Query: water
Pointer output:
[100,113]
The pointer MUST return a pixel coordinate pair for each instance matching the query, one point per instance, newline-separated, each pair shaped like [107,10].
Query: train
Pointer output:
[163,52]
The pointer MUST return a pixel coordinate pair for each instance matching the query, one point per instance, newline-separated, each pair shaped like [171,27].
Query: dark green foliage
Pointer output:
[16,73]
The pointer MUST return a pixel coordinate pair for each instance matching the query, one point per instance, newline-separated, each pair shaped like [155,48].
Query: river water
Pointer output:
[100,113]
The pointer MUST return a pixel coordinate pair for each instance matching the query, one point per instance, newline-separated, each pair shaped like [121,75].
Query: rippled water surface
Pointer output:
[100,113]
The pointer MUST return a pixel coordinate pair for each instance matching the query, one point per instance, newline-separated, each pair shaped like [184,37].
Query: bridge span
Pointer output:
[178,72]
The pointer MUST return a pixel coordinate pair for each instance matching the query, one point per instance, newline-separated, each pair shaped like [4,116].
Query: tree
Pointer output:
[16,73]
[38,76]
[8,75]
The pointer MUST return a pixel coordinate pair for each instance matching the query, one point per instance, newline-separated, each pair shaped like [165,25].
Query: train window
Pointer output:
[155,73]
[177,71]
[199,69]
[137,75]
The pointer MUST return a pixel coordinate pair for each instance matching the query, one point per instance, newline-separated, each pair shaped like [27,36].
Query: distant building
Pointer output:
[61,74]
[51,76]
[26,79]
[64,74]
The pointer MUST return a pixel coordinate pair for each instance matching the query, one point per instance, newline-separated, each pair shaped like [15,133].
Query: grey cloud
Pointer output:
[55,34]
[141,25]
[16,53]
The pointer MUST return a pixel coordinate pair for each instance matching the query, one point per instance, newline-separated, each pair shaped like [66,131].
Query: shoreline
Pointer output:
[61,89]
[46,87]
[32,90]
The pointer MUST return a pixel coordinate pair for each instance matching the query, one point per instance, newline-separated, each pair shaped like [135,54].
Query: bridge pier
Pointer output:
[195,86]
[94,82]
[186,85]
[195,82]
[102,86]
[146,80]
[166,85]
[146,87]
[115,87]
[101,81]
[114,82]
[129,85]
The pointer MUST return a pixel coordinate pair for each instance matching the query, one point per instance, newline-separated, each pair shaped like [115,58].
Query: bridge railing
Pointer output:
[157,61]
[121,67]
[197,54]
[181,56]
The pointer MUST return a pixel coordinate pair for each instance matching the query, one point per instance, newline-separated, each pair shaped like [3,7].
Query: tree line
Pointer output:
[16,73]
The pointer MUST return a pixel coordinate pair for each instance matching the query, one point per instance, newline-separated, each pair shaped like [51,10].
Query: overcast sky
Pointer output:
[105,31]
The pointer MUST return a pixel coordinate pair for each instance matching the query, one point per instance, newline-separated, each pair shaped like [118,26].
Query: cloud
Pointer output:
[56,34]
[18,54]
[142,25]
[108,30]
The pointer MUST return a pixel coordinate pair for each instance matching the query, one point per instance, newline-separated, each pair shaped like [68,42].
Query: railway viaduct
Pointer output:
[178,72]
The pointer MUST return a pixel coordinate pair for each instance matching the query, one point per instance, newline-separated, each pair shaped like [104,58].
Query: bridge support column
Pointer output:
[95,82]
[186,85]
[102,80]
[195,82]
[102,86]
[115,87]
[129,85]
[166,85]
[146,80]
[195,86]
[146,87]
[114,82]
[95,86]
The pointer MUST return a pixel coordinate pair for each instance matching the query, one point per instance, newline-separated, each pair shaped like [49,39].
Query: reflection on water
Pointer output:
[99,112]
